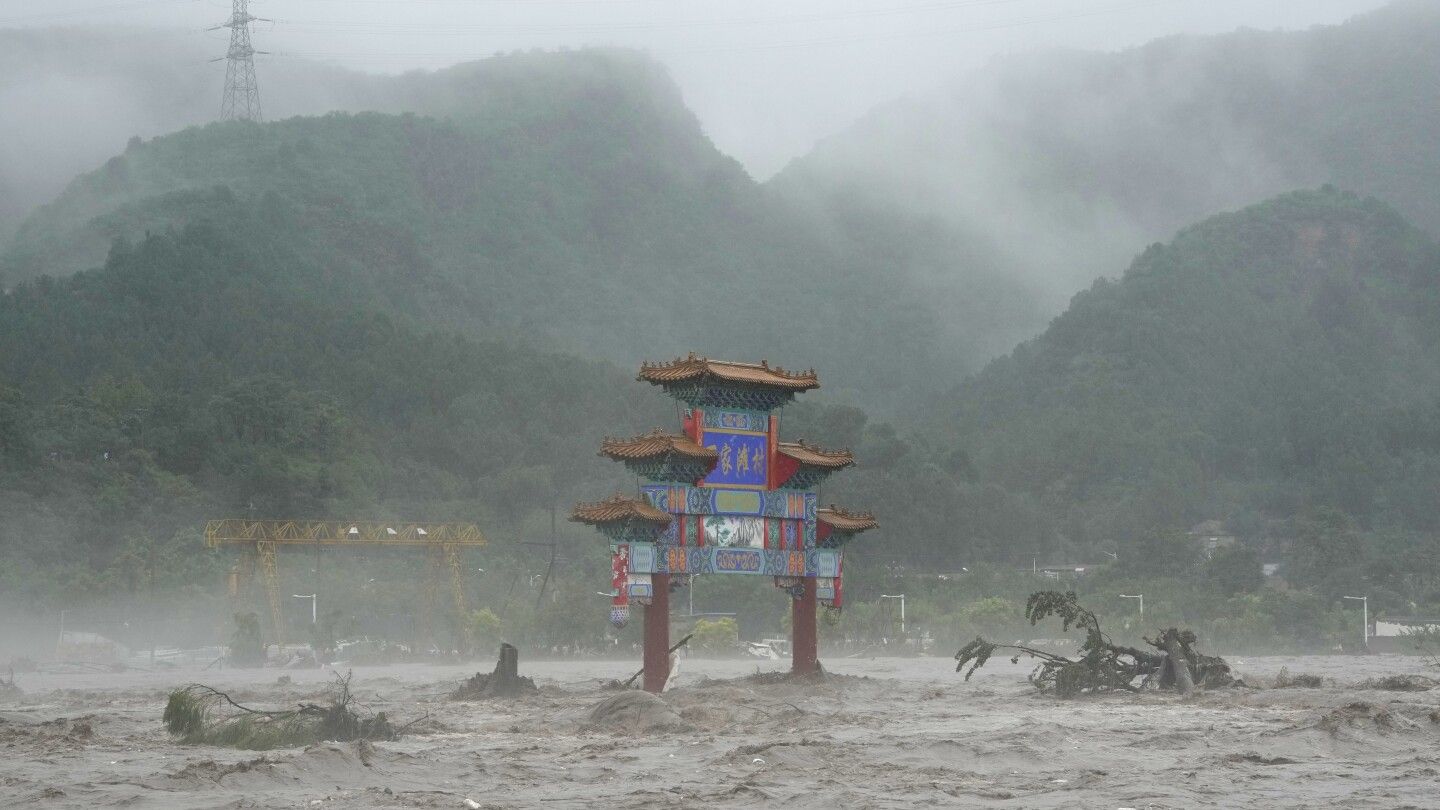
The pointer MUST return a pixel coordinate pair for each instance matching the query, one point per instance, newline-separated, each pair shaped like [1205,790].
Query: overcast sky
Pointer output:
[767,77]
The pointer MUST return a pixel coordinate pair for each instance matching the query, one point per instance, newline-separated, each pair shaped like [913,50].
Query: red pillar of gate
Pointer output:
[657,636]
[803,648]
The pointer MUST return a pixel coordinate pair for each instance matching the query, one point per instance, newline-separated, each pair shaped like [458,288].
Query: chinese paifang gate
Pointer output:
[724,496]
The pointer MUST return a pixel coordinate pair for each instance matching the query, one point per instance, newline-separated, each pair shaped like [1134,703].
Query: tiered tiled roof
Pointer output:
[842,521]
[655,444]
[808,455]
[692,368]
[618,508]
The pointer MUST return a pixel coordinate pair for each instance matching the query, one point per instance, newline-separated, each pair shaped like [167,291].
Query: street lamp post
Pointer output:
[1364,619]
[312,598]
[1139,596]
[901,597]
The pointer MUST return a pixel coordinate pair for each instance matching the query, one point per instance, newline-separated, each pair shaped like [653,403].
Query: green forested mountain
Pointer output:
[1066,163]
[225,370]
[1275,371]
[1268,368]
[566,194]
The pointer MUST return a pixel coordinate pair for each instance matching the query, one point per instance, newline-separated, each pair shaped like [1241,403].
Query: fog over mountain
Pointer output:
[767,80]
[1067,162]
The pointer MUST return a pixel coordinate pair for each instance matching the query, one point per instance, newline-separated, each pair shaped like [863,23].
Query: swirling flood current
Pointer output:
[878,732]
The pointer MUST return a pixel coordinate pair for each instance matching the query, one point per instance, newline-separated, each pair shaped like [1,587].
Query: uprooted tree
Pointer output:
[1103,666]
[199,714]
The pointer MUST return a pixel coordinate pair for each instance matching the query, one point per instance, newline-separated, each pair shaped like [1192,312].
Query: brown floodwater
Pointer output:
[885,732]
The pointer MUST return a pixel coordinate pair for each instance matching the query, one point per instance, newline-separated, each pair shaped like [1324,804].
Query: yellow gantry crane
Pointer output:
[442,543]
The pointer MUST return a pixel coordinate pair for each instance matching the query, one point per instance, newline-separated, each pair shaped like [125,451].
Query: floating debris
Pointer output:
[1284,680]
[190,715]
[1103,666]
[1399,683]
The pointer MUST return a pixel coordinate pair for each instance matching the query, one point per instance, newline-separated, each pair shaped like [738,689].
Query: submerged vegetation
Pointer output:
[201,715]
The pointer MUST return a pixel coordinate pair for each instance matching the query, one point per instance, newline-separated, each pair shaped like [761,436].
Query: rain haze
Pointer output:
[767,79]
[548,403]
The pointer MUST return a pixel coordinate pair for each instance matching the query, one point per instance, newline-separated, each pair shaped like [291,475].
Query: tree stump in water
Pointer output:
[503,681]
[1175,672]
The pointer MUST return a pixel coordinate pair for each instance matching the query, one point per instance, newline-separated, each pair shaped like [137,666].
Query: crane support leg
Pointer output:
[434,583]
[242,576]
[265,553]
[457,588]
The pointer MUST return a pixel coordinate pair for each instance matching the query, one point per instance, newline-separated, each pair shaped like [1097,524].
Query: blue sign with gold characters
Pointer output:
[741,458]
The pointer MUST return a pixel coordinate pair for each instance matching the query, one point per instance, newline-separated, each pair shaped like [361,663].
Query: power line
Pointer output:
[242,93]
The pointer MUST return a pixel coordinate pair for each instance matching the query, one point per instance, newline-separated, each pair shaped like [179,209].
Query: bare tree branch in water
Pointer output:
[189,717]
[1103,666]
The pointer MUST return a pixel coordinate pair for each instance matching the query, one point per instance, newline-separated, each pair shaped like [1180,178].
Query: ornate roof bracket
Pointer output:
[836,526]
[701,382]
[806,466]
[661,456]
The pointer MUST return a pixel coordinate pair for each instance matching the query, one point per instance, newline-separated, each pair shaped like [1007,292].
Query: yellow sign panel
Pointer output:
[737,502]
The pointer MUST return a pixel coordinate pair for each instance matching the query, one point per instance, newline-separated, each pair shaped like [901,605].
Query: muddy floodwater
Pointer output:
[885,732]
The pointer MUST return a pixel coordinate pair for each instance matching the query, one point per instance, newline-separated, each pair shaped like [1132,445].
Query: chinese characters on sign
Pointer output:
[741,458]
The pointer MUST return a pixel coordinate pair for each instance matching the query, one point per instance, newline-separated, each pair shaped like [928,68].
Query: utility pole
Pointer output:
[314,598]
[901,597]
[1364,620]
[540,598]
[242,93]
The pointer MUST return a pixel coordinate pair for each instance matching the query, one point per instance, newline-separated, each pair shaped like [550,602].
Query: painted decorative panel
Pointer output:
[736,502]
[825,589]
[679,499]
[642,557]
[730,560]
[729,531]
[827,563]
[757,421]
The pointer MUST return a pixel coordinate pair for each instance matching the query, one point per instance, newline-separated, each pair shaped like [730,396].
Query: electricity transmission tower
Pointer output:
[242,93]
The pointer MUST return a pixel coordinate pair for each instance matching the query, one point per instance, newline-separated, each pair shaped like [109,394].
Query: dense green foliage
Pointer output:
[1276,369]
[558,195]
[203,373]
[1267,360]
